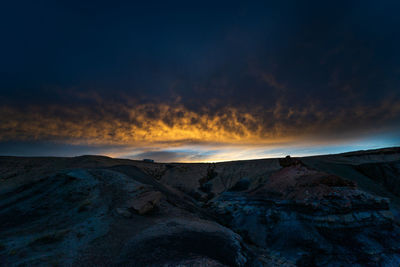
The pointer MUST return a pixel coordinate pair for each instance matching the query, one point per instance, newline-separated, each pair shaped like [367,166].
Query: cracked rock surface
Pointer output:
[336,210]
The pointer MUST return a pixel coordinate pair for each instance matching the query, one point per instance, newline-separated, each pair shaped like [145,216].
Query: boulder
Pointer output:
[289,161]
[185,242]
[145,202]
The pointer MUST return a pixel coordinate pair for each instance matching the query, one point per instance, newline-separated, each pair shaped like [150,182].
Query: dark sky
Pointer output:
[198,80]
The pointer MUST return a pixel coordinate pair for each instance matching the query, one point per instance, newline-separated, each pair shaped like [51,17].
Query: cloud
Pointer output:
[163,124]
[255,76]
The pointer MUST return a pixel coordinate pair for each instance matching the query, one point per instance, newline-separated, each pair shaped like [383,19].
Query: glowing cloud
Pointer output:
[163,125]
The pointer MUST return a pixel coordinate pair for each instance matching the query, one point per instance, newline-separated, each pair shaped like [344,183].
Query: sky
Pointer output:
[198,81]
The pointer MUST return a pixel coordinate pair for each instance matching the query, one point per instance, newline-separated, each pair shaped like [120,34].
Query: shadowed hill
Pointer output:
[98,211]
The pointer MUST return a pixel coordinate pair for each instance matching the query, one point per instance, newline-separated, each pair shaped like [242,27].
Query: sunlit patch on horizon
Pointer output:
[219,153]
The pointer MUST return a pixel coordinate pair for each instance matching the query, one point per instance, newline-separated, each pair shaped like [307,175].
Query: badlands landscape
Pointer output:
[330,210]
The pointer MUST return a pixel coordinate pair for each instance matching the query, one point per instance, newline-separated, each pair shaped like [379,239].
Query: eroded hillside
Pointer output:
[335,210]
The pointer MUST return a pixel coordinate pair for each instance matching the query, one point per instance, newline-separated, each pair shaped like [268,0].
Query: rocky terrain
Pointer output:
[333,210]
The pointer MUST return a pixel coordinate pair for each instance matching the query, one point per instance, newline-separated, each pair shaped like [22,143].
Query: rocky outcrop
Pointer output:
[312,217]
[143,199]
[145,202]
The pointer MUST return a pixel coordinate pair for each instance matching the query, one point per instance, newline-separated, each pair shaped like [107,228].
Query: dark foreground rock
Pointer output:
[97,211]
[313,218]
[180,240]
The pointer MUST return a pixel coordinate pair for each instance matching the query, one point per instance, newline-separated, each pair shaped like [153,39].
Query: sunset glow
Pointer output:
[245,80]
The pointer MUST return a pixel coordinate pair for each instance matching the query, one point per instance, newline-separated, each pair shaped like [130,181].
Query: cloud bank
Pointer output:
[209,81]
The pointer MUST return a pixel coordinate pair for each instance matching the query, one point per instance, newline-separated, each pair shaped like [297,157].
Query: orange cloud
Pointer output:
[174,124]
[138,125]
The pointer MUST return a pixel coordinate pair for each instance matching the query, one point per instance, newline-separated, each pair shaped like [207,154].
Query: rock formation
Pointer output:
[336,210]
